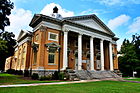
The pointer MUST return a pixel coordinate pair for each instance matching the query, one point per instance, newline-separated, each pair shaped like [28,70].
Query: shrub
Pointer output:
[35,76]
[10,71]
[61,76]
[49,77]
[20,72]
[138,71]
[55,76]
[26,73]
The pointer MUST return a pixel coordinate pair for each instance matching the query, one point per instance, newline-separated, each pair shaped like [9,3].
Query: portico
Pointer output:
[80,57]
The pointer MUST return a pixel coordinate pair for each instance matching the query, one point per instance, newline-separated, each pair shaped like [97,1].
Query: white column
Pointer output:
[79,51]
[102,54]
[91,54]
[110,56]
[65,48]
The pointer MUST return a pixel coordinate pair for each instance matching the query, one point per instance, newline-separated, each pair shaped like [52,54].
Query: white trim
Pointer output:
[111,57]
[24,40]
[102,54]
[47,24]
[79,52]
[87,32]
[65,48]
[91,54]
[49,33]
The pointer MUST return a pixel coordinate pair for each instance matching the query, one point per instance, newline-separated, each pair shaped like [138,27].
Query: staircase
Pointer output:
[89,75]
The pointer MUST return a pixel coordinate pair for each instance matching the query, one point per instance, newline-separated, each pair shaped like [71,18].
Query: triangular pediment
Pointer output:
[21,34]
[92,24]
[91,21]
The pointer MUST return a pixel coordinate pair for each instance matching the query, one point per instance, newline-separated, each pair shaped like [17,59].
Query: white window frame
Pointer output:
[49,33]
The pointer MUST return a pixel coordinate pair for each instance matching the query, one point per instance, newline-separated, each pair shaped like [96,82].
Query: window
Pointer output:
[19,57]
[51,57]
[23,55]
[53,36]
[37,37]
[35,57]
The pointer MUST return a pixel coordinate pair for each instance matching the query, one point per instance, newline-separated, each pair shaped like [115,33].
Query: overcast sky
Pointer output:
[121,16]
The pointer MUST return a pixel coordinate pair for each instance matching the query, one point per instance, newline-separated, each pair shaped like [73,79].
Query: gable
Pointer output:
[92,24]
[21,34]
[91,21]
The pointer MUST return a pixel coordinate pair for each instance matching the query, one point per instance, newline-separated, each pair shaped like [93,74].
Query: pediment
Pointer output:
[52,44]
[91,21]
[92,24]
[21,34]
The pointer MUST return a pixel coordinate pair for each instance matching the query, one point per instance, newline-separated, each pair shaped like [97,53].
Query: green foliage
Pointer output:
[55,75]
[18,79]
[35,76]
[19,72]
[26,73]
[10,71]
[89,87]
[7,43]
[49,77]
[61,76]
[5,10]
[129,60]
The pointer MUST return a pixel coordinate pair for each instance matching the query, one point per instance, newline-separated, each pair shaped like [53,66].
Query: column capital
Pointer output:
[80,33]
[42,28]
[92,37]
[65,29]
[110,42]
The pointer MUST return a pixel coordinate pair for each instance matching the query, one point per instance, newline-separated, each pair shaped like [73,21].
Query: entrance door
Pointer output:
[88,64]
[98,64]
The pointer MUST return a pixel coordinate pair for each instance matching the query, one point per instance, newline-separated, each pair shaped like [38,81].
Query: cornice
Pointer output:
[69,21]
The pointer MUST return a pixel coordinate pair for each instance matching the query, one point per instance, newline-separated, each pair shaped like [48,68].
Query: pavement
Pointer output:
[56,83]
[69,82]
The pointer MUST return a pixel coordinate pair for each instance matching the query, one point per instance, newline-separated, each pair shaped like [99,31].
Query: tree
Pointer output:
[129,61]
[5,10]
[7,43]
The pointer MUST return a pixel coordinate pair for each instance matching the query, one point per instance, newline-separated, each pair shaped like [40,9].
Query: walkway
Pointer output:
[56,83]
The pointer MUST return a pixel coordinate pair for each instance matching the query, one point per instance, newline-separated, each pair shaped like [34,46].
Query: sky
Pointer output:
[121,16]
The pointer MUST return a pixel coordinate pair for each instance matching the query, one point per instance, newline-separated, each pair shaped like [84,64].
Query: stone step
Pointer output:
[88,75]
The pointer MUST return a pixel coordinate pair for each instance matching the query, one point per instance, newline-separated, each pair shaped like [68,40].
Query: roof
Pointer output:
[70,20]
[23,34]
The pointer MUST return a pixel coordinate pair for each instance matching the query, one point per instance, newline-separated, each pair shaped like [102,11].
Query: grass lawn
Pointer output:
[16,79]
[91,87]
[133,79]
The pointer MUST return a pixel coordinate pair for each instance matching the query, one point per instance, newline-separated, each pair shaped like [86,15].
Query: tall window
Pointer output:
[37,37]
[23,55]
[51,57]
[19,57]
[35,57]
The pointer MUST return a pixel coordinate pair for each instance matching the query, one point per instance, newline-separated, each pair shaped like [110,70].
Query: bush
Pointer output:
[10,71]
[20,72]
[55,76]
[138,71]
[26,73]
[43,78]
[61,76]
[35,76]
